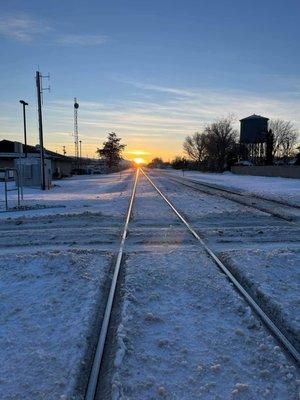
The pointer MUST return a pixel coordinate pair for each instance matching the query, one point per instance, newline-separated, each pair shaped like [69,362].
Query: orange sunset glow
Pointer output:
[139,160]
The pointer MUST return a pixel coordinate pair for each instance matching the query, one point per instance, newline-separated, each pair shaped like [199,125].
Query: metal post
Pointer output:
[18,187]
[20,171]
[42,156]
[5,188]
[24,104]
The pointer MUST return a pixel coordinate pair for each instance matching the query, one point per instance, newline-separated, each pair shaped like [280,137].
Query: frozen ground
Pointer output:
[184,332]
[282,189]
[262,250]
[273,277]
[198,204]
[52,283]
[94,193]
[49,304]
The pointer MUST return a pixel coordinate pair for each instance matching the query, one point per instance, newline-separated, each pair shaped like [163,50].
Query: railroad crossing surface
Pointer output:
[177,326]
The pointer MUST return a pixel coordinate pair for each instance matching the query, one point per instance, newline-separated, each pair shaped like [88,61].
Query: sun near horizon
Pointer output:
[139,160]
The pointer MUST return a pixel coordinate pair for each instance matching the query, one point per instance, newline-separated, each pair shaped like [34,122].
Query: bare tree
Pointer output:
[220,140]
[157,162]
[285,137]
[195,147]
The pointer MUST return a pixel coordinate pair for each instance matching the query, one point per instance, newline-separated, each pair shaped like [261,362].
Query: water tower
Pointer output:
[253,137]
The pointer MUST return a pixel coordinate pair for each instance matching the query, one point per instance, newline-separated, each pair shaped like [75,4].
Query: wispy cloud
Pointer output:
[84,40]
[158,88]
[138,152]
[157,124]
[163,122]
[207,104]
[22,28]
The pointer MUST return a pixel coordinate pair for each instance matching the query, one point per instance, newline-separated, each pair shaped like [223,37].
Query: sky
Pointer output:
[151,71]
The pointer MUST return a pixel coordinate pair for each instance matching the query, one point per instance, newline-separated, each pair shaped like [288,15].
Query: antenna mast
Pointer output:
[75,134]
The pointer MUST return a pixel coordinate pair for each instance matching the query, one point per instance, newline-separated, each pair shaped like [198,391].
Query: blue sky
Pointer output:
[153,71]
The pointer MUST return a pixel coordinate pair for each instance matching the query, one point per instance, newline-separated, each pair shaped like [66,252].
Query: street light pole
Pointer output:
[24,104]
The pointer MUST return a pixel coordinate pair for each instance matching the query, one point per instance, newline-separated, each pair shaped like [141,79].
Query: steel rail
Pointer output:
[196,185]
[268,322]
[94,375]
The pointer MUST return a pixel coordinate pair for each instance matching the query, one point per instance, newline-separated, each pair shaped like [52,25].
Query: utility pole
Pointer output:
[64,150]
[80,149]
[24,122]
[41,139]
[39,90]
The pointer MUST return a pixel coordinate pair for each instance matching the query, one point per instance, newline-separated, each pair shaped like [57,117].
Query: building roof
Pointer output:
[8,146]
[255,116]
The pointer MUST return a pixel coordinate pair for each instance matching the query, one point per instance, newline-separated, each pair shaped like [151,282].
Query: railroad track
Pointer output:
[276,208]
[268,322]
[94,375]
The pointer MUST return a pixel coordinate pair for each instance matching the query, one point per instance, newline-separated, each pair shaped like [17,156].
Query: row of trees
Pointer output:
[217,146]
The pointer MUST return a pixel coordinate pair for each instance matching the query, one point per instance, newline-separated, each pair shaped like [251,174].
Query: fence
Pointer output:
[6,172]
[284,171]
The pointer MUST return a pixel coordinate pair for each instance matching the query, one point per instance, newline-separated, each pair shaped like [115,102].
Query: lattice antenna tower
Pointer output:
[75,134]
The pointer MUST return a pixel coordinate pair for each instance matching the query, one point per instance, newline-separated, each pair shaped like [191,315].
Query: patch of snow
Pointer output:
[94,193]
[273,277]
[273,188]
[180,343]
[49,303]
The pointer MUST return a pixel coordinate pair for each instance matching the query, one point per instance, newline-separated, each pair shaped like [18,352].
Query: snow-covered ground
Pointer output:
[273,277]
[49,305]
[93,193]
[280,189]
[184,332]
[54,269]
[261,249]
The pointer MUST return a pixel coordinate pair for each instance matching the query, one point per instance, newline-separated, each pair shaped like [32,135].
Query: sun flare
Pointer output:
[139,160]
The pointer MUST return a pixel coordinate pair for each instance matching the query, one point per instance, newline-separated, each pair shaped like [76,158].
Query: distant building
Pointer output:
[10,152]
